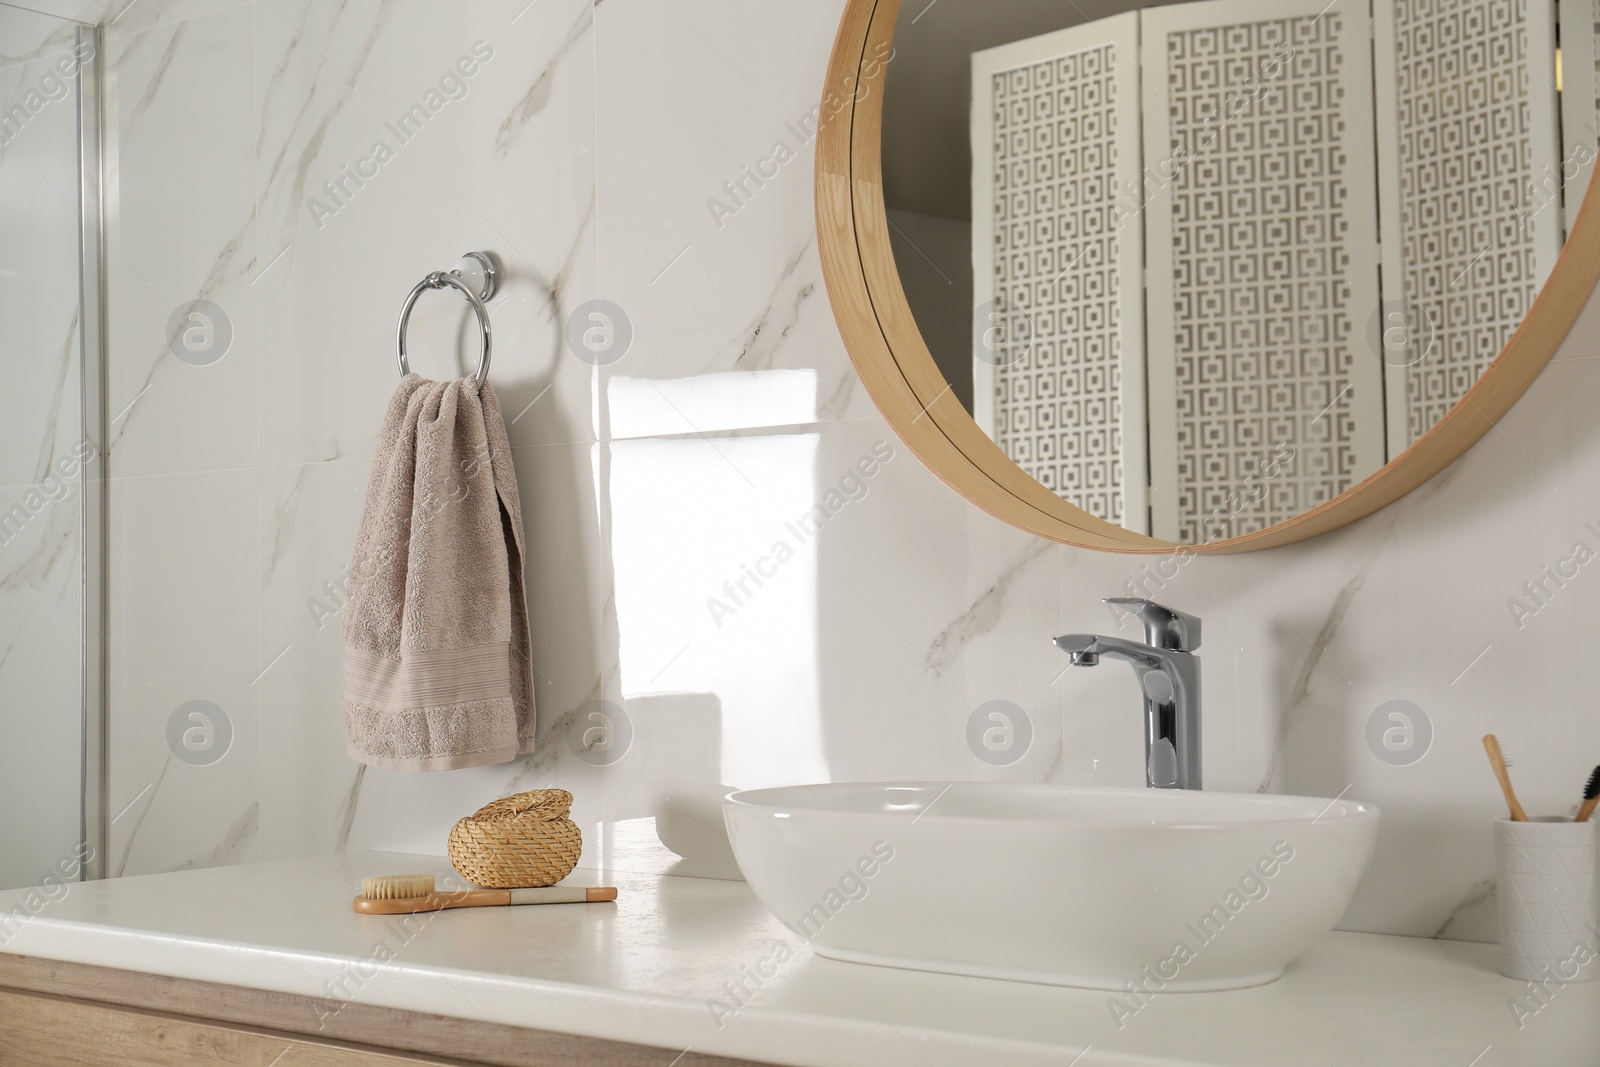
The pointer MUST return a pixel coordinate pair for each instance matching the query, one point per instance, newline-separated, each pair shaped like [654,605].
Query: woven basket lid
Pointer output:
[537,805]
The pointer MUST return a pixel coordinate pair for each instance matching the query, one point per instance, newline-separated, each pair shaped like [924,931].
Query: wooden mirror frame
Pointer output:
[902,378]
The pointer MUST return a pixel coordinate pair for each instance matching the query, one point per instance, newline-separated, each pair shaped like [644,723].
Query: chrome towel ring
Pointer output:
[474,277]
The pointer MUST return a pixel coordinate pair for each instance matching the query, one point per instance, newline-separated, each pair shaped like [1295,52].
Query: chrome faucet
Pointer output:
[1169,674]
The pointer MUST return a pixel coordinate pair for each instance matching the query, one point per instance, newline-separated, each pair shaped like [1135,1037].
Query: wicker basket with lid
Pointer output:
[517,842]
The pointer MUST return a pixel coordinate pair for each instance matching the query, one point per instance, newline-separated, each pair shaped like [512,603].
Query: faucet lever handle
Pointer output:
[1164,627]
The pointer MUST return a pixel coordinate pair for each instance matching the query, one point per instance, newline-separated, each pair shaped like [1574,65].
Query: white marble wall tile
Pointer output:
[503,162]
[721,680]
[1438,629]
[570,583]
[714,280]
[307,518]
[780,650]
[184,595]
[125,17]
[913,587]
[180,229]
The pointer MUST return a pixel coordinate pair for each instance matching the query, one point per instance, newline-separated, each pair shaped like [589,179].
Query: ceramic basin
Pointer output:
[1169,890]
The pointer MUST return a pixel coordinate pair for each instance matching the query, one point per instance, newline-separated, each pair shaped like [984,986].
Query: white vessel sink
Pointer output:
[1169,890]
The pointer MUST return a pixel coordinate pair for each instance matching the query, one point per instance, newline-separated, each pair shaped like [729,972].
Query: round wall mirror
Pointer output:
[1222,274]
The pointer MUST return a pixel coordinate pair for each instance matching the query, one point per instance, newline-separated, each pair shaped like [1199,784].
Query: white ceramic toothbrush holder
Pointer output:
[1546,877]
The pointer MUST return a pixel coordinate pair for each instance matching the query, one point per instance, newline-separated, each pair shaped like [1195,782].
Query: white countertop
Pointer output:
[644,970]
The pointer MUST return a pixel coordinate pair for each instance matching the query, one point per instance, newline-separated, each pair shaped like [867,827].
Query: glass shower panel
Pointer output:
[49,324]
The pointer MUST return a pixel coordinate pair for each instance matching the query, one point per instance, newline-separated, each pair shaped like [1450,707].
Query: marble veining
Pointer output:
[131,834]
[986,612]
[1316,658]
[347,810]
[778,318]
[54,552]
[234,846]
[321,96]
[162,359]
[152,87]
[283,520]
[64,372]
[538,94]
[555,286]
[1481,895]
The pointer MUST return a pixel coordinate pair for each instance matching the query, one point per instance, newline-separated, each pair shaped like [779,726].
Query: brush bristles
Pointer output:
[1592,790]
[397,886]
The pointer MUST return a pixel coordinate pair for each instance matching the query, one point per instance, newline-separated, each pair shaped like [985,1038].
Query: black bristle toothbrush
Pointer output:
[1591,797]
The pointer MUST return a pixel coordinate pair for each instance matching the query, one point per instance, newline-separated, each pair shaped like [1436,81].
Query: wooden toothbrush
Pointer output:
[1497,760]
[1591,797]
[407,894]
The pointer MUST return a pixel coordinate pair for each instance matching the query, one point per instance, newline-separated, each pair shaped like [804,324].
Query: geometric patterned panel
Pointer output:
[1057,373]
[1277,411]
[1468,168]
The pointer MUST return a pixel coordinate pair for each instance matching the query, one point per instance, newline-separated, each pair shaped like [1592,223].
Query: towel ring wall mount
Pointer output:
[475,277]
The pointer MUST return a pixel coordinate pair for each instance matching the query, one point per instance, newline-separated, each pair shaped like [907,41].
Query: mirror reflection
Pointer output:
[1201,267]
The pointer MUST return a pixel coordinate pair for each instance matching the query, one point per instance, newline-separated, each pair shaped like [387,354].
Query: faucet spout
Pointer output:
[1085,650]
[1169,677]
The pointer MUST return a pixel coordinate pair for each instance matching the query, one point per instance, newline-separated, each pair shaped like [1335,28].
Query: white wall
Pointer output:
[585,155]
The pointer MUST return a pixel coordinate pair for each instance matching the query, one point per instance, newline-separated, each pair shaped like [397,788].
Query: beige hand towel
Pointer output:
[436,646]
